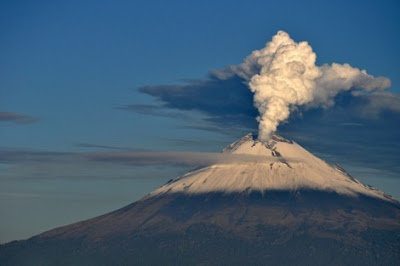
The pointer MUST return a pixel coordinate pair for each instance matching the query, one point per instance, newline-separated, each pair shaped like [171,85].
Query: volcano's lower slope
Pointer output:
[293,214]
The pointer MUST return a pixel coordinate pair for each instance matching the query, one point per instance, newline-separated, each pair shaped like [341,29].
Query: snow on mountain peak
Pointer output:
[284,165]
[252,139]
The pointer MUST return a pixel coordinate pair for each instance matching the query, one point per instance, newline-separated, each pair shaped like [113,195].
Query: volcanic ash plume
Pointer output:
[283,76]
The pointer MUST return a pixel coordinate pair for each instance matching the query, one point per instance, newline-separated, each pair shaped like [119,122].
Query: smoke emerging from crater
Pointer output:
[283,76]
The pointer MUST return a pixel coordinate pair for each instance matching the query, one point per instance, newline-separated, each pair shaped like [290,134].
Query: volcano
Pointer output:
[287,207]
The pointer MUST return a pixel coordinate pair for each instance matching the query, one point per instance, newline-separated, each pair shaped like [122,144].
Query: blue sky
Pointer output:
[72,75]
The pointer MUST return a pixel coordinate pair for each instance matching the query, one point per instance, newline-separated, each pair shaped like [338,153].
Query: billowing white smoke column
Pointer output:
[283,76]
[287,77]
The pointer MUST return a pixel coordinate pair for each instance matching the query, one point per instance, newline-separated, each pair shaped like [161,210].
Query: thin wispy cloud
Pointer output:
[97,165]
[12,156]
[180,158]
[106,147]
[195,142]
[154,110]
[18,163]
[16,118]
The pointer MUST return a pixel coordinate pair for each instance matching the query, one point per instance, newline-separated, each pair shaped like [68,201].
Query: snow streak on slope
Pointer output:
[285,166]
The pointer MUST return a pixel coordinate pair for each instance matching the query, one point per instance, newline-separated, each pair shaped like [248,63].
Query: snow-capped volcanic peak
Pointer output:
[283,165]
[277,147]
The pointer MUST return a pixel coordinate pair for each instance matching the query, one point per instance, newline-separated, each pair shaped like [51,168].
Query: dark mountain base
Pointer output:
[208,245]
[274,228]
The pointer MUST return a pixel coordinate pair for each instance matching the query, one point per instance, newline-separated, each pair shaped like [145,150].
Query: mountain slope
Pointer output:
[284,206]
[278,165]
